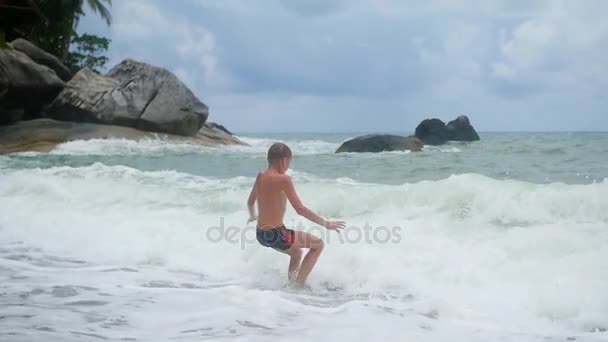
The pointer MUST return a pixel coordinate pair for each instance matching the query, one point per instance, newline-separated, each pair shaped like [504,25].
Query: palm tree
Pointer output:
[100,8]
[63,17]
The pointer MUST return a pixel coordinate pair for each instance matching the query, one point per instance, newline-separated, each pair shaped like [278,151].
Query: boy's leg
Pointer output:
[306,240]
[294,262]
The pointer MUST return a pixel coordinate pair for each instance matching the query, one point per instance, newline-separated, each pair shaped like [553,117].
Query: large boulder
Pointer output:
[25,86]
[432,132]
[42,57]
[90,97]
[381,143]
[460,129]
[436,132]
[171,106]
[132,94]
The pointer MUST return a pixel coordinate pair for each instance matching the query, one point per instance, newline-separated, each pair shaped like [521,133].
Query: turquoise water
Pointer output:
[503,239]
[573,158]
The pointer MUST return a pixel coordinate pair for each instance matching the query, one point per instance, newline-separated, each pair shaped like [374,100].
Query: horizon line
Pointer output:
[404,132]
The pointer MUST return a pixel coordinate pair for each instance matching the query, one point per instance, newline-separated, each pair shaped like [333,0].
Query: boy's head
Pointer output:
[279,154]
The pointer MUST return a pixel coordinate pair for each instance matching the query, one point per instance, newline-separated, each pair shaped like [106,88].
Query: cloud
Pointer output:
[381,64]
[171,38]
[315,7]
[317,56]
[559,48]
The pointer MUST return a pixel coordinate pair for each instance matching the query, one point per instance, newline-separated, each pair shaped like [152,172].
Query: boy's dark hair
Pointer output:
[278,151]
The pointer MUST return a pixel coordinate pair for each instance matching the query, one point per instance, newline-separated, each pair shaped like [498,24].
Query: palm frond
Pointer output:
[102,9]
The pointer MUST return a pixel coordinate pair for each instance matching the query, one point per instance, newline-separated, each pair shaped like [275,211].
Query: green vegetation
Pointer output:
[51,25]
[2,40]
[86,52]
[63,17]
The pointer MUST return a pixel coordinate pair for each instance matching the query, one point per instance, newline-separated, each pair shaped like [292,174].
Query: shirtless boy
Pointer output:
[271,189]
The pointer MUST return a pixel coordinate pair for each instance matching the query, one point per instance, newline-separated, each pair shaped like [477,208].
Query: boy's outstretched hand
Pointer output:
[335,225]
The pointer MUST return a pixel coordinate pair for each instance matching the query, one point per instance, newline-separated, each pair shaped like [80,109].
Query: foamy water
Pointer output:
[115,240]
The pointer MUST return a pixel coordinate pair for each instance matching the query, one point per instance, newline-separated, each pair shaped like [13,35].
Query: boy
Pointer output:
[271,189]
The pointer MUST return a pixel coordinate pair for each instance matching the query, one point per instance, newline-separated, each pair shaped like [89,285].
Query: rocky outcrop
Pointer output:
[429,132]
[432,132]
[381,143]
[218,126]
[171,106]
[42,57]
[43,135]
[436,132]
[25,86]
[90,97]
[460,129]
[221,136]
[132,94]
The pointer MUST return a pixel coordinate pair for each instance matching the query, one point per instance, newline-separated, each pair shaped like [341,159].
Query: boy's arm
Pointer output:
[302,210]
[251,200]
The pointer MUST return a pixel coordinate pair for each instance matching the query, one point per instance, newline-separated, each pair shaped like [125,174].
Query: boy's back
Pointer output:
[271,199]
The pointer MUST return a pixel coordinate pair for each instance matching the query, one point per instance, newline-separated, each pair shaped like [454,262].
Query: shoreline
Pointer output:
[43,135]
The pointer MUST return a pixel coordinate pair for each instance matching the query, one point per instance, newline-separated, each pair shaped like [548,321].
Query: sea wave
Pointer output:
[157,147]
[461,196]
[468,246]
[160,147]
[299,147]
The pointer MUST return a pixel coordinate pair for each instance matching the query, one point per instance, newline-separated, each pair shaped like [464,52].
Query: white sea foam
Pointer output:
[160,147]
[301,147]
[480,258]
[106,147]
[445,149]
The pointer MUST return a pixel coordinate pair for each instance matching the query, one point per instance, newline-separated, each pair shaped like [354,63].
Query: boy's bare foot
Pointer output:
[301,286]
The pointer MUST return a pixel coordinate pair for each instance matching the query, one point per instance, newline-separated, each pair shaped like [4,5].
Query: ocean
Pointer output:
[505,239]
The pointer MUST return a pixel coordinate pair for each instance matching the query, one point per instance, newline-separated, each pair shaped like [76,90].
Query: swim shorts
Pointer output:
[279,238]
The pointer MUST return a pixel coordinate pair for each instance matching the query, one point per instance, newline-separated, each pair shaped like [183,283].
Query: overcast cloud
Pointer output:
[383,65]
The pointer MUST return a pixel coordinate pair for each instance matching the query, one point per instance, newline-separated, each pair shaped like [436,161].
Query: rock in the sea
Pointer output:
[460,129]
[43,135]
[381,143]
[90,97]
[132,94]
[42,57]
[218,126]
[25,86]
[215,132]
[436,132]
[10,116]
[170,107]
[432,132]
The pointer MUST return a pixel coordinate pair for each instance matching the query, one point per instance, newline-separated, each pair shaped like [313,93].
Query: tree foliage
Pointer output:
[87,52]
[100,8]
[63,17]
[2,40]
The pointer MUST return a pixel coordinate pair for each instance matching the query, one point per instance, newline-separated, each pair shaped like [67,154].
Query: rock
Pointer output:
[381,143]
[132,94]
[435,132]
[460,129]
[219,134]
[90,97]
[43,135]
[170,107]
[432,132]
[25,86]
[218,126]
[42,57]
[10,116]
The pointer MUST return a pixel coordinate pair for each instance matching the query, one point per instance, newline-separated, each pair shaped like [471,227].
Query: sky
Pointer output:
[375,65]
